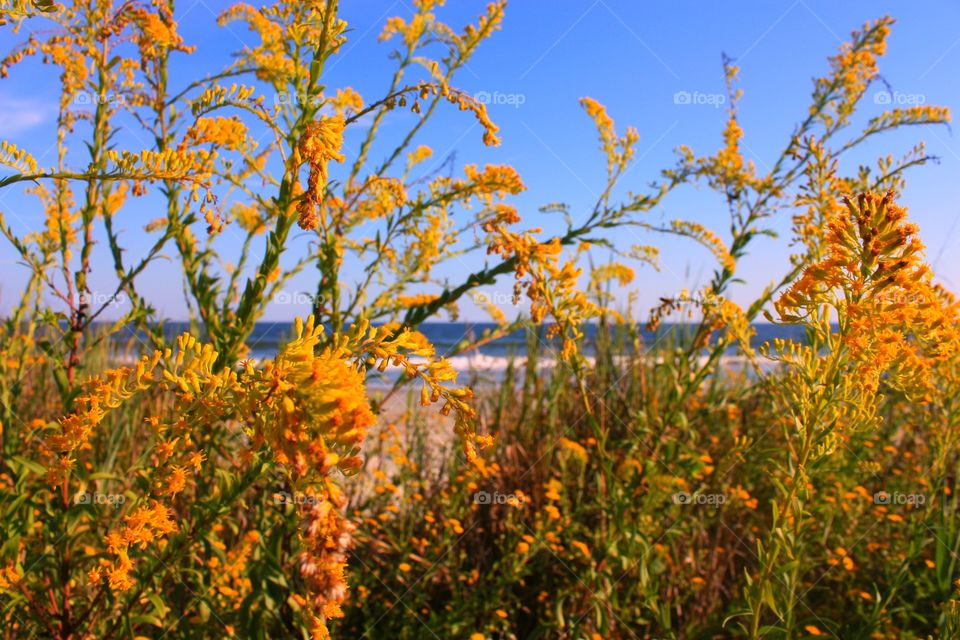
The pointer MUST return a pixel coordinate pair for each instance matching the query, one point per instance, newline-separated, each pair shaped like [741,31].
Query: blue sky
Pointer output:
[632,56]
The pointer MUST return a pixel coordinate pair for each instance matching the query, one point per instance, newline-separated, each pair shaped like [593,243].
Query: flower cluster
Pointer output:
[327,538]
[551,286]
[618,150]
[308,407]
[707,238]
[229,133]
[320,143]
[144,526]
[157,31]
[282,29]
[874,277]
[852,70]
[318,412]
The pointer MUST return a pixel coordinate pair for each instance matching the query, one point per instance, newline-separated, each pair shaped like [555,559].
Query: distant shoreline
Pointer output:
[449,337]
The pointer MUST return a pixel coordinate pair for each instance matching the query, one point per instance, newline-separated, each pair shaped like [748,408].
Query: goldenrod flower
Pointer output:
[318,145]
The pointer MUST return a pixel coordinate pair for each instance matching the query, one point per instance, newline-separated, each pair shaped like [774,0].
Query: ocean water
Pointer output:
[267,337]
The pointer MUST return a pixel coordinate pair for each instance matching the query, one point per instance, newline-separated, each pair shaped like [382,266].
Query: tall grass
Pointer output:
[626,526]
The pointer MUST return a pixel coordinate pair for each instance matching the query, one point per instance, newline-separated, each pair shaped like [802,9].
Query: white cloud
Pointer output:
[20,115]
